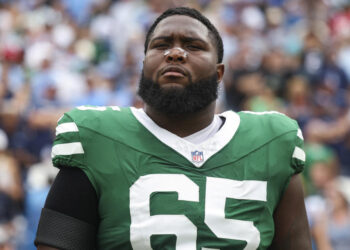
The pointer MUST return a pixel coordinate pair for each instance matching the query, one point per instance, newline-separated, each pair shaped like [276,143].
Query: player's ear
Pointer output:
[220,69]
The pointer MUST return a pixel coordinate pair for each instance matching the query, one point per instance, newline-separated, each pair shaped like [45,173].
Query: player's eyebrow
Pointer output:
[193,39]
[184,39]
[165,38]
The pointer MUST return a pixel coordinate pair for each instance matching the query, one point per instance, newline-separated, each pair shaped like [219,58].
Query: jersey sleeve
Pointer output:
[284,125]
[67,148]
[283,131]
[298,156]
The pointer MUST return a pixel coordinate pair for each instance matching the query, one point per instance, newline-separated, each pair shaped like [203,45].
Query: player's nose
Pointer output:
[175,54]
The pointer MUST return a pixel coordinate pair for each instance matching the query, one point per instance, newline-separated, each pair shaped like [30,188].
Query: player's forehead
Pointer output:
[181,25]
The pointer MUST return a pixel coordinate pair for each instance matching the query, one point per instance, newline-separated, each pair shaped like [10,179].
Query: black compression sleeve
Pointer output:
[72,194]
[64,232]
[69,219]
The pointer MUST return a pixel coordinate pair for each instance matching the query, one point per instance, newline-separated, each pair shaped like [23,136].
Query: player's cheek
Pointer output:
[203,66]
[152,65]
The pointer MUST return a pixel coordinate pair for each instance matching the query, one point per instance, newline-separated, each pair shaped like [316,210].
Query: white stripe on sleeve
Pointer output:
[300,134]
[67,149]
[66,127]
[299,154]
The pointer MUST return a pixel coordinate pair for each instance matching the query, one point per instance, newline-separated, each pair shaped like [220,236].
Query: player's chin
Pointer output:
[172,86]
[173,82]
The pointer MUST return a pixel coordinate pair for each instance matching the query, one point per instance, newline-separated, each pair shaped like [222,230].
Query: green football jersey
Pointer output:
[158,191]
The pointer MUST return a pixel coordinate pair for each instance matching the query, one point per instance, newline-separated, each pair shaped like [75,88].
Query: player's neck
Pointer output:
[183,124]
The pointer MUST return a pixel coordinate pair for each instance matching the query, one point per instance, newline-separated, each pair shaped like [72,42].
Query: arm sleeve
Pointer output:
[67,148]
[69,219]
[298,156]
[73,194]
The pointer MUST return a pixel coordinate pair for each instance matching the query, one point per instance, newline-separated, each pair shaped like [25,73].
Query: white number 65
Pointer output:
[143,225]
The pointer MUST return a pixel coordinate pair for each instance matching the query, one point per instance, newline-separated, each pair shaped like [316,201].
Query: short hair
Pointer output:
[213,32]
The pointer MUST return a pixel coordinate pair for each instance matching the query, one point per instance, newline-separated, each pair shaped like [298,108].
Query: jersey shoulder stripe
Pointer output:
[79,127]
[299,154]
[67,149]
[66,127]
[300,134]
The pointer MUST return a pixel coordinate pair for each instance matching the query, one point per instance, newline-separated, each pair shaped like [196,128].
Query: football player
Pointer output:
[175,175]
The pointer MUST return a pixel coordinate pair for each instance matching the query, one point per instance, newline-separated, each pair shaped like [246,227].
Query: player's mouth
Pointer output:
[173,71]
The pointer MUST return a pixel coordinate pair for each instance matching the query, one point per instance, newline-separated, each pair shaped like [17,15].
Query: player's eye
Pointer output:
[161,46]
[193,47]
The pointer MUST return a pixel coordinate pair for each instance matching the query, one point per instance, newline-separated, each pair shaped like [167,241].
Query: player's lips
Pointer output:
[172,70]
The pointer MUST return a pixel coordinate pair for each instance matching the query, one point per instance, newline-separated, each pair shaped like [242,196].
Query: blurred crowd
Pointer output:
[292,56]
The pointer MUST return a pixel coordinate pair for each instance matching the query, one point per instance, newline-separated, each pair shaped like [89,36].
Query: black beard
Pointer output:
[174,100]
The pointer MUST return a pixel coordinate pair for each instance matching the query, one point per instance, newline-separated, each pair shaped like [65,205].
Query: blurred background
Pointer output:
[292,56]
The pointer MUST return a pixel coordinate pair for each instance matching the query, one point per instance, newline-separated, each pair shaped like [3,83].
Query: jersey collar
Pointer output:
[197,154]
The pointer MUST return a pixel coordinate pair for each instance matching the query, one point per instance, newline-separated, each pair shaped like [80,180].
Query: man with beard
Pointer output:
[174,175]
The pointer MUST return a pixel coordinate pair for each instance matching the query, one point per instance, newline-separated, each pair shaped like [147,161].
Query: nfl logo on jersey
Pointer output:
[197,156]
